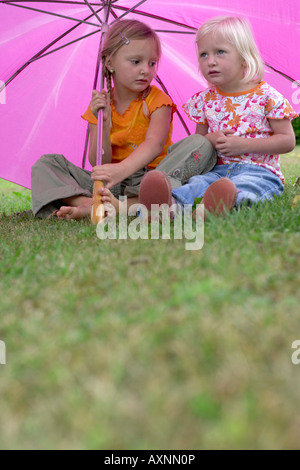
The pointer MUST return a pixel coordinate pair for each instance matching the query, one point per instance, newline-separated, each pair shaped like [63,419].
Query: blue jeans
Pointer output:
[253,183]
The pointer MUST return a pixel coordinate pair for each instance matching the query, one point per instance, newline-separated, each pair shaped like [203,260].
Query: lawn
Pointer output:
[123,344]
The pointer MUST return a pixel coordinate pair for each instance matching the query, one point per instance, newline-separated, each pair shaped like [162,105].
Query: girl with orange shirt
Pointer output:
[137,129]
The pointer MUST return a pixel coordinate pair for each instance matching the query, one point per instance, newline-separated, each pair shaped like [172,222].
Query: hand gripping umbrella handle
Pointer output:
[98,212]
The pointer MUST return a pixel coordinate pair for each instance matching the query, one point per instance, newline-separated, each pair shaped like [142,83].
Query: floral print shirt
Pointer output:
[247,113]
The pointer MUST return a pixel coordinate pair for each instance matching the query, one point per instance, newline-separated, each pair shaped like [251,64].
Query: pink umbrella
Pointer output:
[48,56]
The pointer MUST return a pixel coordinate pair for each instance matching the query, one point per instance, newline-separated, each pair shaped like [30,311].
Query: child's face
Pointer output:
[220,63]
[135,65]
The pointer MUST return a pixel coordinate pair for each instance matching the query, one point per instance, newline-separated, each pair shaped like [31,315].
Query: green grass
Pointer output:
[123,344]
[14,198]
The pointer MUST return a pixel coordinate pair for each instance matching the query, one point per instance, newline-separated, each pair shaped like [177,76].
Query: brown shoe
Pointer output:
[155,188]
[220,196]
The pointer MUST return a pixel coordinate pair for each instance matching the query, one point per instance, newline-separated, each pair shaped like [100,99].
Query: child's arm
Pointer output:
[202,129]
[282,141]
[100,101]
[146,152]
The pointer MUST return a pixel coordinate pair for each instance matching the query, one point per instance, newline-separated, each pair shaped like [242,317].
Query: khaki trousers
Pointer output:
[54,178]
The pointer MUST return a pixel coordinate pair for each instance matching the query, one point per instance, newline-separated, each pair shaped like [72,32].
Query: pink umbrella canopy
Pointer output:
[48,56]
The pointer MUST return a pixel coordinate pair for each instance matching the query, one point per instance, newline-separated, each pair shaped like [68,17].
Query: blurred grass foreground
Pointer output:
[123,344]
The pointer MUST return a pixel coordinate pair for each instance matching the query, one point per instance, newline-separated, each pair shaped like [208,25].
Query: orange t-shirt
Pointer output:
[129,129]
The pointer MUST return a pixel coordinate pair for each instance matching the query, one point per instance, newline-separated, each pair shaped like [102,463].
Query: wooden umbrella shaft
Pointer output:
[98,212]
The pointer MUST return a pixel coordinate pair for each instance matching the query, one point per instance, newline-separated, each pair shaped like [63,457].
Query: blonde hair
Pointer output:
[120,34]
[238,31]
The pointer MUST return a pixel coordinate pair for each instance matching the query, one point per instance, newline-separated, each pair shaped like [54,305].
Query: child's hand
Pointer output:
[100,101]
[230,145]
[214,136]
[111,173]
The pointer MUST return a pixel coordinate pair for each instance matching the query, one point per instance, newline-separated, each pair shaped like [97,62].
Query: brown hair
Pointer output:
[120,34]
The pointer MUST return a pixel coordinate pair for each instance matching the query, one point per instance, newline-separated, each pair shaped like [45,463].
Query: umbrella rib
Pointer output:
[63,2]
[157,30]
[51,13]
[7,2]
[175,32]
[93,11]
[281,73]
[129,10]
[62,47]
[41,52]
[156,17]
[108,11]
[159,81]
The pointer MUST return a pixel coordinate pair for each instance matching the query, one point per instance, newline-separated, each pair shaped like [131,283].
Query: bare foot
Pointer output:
[72,213]
[113,205]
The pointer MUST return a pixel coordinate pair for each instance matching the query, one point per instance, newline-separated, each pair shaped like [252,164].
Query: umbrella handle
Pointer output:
[98,211]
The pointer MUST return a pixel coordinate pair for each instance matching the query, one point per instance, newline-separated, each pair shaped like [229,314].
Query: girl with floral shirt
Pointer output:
[246,120]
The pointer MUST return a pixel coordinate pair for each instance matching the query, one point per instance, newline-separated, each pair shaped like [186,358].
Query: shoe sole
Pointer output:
[155,188]
[220,196]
